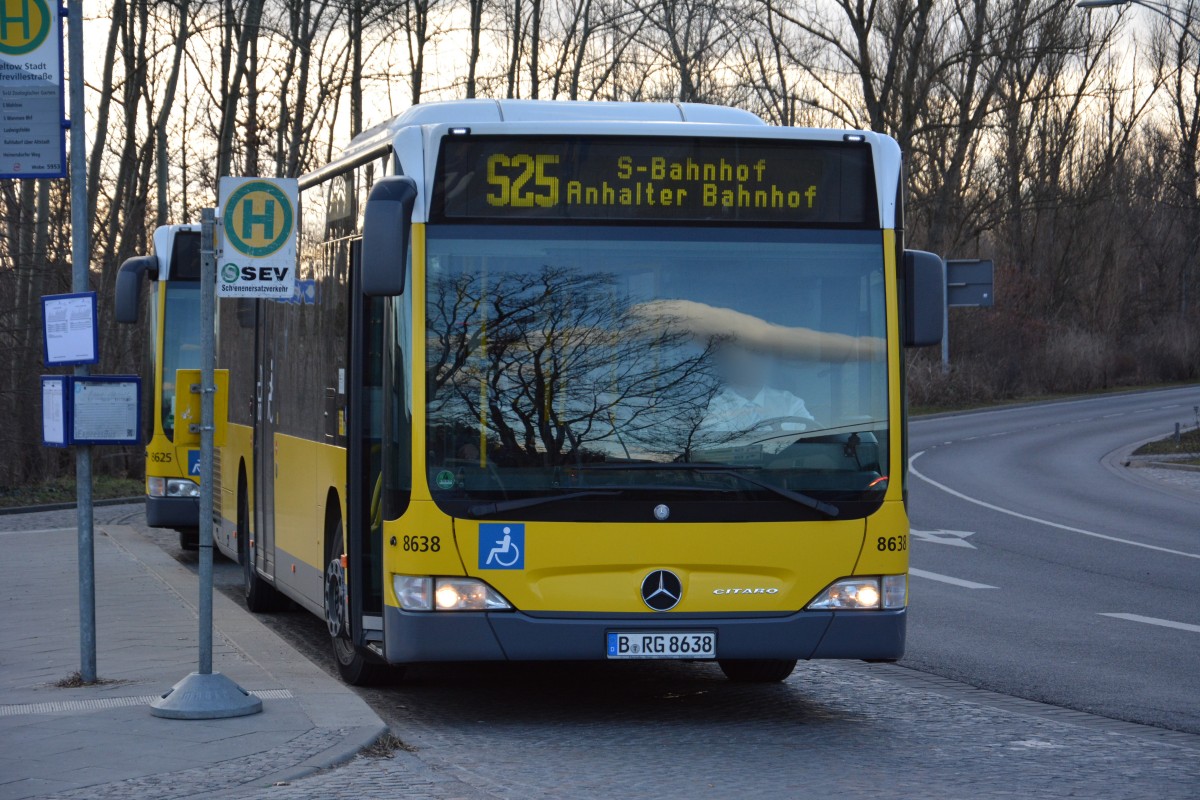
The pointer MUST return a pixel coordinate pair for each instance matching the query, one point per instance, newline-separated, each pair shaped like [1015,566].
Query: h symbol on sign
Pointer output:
[249,219]
[7,21]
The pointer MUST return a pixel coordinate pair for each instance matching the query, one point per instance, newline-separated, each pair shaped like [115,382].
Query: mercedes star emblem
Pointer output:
[662,589]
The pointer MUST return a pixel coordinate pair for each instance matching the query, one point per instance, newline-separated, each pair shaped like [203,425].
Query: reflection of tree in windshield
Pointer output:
[557,366]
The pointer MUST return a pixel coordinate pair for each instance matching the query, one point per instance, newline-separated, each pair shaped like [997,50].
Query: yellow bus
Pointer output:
[173,272]
[580,381]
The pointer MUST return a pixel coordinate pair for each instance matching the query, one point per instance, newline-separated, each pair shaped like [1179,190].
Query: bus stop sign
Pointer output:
[33,143]
[257,250]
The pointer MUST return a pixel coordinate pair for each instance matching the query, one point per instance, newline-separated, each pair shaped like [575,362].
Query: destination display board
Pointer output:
[655,180]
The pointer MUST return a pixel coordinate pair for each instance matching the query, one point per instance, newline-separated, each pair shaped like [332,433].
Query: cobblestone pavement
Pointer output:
[1181,478]
[551,731]
[66,518]
[68,740]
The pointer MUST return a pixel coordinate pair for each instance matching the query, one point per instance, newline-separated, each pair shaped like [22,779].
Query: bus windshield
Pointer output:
[613,365]
[181,341]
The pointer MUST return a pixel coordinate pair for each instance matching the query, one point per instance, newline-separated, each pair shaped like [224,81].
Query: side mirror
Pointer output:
[386,228]
[129,287]
[924,298]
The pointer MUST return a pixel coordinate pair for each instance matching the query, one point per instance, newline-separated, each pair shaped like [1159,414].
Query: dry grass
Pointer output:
[62,490]
[1188,445]
[386,745]
[76,681]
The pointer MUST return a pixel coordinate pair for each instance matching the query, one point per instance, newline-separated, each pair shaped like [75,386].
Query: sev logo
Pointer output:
[24,25]
[258,218]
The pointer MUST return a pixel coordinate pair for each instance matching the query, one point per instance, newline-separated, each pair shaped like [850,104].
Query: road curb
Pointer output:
[353,742]
[332,706]
[1119,463]
[111,501]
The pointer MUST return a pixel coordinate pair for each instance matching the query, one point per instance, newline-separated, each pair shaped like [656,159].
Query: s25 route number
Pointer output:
[520,181]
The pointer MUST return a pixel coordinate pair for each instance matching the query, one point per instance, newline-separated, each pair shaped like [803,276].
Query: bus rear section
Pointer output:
[173,325]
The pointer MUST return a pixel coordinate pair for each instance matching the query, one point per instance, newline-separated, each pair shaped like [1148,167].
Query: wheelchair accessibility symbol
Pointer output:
[501,545]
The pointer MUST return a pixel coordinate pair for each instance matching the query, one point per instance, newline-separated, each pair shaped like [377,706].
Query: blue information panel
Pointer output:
[69,334]
[105,409]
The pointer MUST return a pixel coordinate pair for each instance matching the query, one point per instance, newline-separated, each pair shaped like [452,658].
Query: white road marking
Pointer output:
[933,576]
[44,530]
[1165,623]
[1045,522]
[100,703]
[952,538]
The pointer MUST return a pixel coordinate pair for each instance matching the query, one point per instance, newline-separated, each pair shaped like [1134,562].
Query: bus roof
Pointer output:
[164,247]
[466,112]
[408,136]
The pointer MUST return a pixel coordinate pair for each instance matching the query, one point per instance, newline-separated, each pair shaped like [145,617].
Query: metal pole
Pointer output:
[208,285]
[79,283]
[205,694]
[946,326]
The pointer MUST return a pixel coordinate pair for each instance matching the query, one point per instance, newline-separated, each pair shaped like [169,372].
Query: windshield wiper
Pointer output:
[796,497]
[486,509]
[733,470]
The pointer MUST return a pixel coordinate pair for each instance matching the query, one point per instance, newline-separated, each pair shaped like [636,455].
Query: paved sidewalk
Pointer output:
[101,741]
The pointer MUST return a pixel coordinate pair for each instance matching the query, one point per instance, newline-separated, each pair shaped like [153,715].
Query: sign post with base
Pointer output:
[205,694]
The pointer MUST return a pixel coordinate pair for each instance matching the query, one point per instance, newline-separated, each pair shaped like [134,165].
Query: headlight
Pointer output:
[887,591]
[175,487]
[182,488]
[423,593]
[849,593]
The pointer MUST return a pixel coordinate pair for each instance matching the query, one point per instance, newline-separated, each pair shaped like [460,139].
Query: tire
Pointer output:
[757,670]
[260,596]
[189,540]
[355,667]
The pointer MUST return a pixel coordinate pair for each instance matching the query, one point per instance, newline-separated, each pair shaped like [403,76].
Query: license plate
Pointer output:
[662,644]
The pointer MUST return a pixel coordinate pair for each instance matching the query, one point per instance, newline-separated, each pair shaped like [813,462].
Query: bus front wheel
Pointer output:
[355,668]
[757,670]
[189,539]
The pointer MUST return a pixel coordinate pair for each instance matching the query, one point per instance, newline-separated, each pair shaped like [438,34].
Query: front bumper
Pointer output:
[173,512]
[411,637]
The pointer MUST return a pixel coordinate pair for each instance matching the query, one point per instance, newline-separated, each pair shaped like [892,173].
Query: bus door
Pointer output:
[364,540]
[266,414]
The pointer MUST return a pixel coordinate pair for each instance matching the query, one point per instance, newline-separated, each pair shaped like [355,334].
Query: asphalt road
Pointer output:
[1044,569]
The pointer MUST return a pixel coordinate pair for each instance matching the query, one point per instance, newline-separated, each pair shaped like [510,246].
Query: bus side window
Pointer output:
[245,312]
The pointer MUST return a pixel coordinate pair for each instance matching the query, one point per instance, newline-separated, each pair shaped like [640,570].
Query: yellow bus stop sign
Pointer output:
[24,26]
[187,407]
